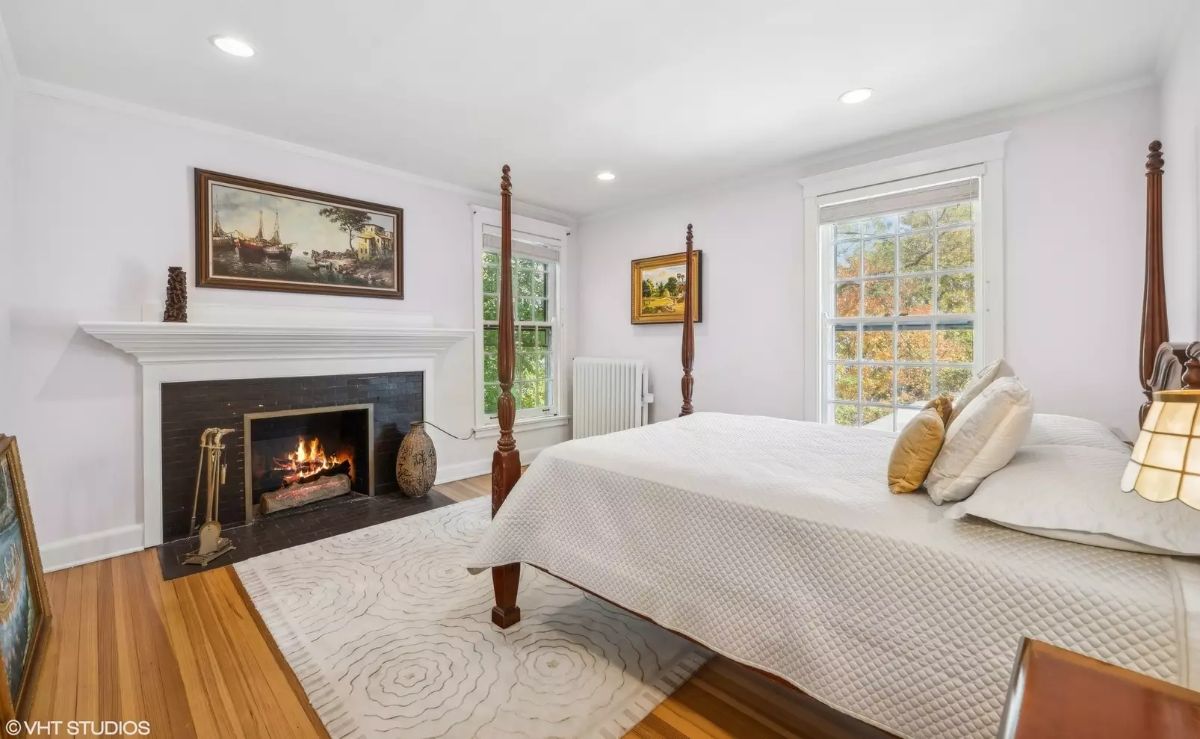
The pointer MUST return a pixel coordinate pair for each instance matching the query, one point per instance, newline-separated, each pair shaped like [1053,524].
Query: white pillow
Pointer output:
[981,440]
[1074,493]
[976,385]
[1051,428]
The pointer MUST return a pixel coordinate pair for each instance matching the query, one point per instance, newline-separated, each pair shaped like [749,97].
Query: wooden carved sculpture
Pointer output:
[1154,296]
[689,337]
[506,461]
[176,308]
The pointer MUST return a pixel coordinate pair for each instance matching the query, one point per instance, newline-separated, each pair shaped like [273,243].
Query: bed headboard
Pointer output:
[1176,365]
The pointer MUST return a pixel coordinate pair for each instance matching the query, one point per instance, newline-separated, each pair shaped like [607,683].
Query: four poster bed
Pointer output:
[776,543]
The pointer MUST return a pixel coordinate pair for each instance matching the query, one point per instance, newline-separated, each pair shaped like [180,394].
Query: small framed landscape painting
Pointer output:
[657,285]
[24,603]
[255,235]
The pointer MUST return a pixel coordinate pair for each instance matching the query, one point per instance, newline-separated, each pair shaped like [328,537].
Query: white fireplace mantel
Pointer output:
[279,343]
[155,343]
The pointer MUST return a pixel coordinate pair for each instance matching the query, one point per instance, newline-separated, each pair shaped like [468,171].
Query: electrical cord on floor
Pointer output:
[453,436]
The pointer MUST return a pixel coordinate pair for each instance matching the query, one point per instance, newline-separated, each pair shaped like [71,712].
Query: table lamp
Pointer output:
[1165,462]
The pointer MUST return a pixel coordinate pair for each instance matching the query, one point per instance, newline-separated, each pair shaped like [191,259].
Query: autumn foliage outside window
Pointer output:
[900,310]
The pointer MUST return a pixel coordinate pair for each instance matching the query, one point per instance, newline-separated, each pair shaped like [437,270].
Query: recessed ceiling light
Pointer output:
[232,46]
[855,96]
[606,176]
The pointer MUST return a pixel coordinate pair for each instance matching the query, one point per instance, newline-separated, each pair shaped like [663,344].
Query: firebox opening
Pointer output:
[300,456]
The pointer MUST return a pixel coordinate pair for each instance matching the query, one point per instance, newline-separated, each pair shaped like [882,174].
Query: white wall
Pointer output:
[8,93]
[1076,205]
[748,351]
[1181,178]
[1074,221]
[105,205]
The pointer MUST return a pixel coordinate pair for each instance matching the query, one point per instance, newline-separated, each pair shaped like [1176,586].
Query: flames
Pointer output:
[310,459]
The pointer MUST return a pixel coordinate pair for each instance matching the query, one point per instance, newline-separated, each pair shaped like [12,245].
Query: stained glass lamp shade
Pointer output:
[1165,463]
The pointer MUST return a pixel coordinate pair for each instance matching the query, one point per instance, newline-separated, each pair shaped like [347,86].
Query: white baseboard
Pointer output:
[81,550]
[87,548]
[477,467]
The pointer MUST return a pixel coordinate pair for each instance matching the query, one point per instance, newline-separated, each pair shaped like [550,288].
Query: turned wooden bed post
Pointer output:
[506,461]
[1154,297]
[689,336]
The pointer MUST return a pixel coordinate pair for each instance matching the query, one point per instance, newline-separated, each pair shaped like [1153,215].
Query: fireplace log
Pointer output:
[341,468]
[330,486]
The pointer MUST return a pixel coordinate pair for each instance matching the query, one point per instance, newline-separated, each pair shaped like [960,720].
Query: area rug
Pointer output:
[390,636]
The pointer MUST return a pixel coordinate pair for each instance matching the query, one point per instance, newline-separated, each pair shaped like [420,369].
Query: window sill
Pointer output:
[523,424]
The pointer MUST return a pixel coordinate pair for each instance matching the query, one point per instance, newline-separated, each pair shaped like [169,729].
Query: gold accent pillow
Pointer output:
[944,405]
[915,451]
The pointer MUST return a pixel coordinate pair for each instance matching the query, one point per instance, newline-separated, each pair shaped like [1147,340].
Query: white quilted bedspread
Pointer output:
[777,543]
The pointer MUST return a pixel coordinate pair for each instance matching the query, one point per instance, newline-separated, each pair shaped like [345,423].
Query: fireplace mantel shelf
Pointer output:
[160,343]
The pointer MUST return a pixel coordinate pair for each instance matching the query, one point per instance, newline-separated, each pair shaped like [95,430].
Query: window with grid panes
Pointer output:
[900,302]
[535,314]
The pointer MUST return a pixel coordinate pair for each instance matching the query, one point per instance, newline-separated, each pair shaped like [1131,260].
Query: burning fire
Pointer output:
[309,459]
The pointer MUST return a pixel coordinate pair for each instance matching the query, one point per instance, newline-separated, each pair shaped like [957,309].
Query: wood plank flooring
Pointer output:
[192,657]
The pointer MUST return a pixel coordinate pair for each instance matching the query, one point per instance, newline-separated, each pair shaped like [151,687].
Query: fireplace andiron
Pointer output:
[212,469]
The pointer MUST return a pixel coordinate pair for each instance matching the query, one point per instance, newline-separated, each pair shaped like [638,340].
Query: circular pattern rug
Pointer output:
[390,636]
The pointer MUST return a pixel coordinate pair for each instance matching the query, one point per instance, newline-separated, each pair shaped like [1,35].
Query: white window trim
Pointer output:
[872,179]
[523,424]
[551,233]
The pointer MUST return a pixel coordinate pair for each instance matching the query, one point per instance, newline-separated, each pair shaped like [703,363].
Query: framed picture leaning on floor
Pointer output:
[24,601]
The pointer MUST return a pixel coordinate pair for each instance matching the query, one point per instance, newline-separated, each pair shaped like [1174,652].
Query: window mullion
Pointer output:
[936,275]
[896,356]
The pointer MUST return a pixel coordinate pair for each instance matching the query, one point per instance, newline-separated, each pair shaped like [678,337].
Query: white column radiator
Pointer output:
[609,395]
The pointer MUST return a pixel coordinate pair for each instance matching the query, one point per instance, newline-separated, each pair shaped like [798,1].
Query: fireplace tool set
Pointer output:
[212,470]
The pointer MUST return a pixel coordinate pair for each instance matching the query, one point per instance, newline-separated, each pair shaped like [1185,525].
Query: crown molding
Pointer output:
[871,149]
[98,101]
[892,169]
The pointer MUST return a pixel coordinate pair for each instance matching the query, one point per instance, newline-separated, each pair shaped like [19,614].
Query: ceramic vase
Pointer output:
[416,462]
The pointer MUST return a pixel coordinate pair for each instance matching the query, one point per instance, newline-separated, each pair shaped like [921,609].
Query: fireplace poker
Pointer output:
[212,544]
[199,473]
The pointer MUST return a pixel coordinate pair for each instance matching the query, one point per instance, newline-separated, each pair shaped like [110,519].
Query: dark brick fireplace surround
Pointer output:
[190,407]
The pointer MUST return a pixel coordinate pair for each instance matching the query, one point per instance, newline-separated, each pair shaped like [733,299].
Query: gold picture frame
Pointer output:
[656,289]
[24,600]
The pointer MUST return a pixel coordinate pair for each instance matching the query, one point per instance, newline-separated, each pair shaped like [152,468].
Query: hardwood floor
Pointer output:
[192,657]
[189,655]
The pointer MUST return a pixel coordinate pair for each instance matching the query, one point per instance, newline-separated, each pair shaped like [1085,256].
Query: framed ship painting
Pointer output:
[24,603]
[255,235]
[656,289]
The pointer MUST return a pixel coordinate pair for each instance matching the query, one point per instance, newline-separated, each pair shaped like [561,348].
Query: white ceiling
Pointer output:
[669,94]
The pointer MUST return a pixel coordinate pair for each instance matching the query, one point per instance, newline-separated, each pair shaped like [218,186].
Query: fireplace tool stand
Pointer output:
[212,470]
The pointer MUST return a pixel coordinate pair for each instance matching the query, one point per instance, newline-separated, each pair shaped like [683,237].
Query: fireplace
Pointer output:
[304,455]
[282,409]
